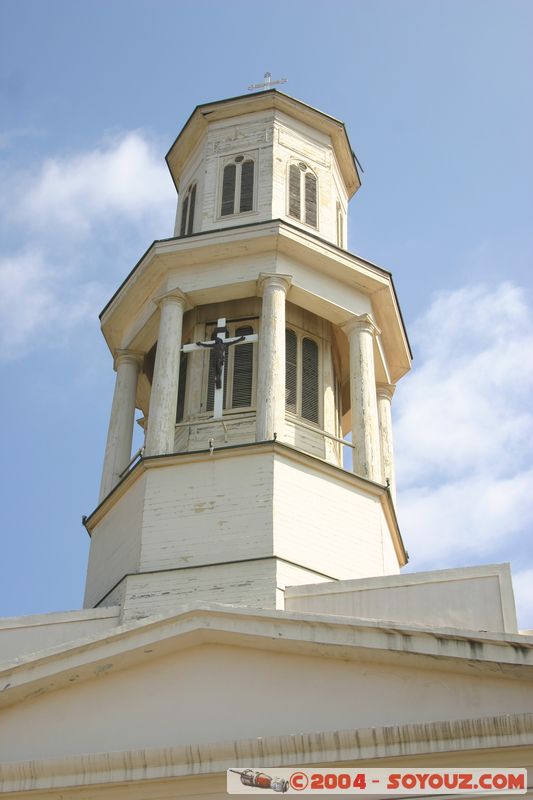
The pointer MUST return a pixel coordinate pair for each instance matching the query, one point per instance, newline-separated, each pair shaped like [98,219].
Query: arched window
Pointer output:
[187,211]
[237,186]
[303,194]
[302,376]
[238,372]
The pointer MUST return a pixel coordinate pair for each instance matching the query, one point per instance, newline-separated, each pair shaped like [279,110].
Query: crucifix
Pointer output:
[268,82]
[218,343]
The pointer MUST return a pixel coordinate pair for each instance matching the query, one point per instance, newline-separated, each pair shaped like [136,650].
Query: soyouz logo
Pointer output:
[416,781]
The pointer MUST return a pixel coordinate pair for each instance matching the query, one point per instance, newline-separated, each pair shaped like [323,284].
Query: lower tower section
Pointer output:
[236,525]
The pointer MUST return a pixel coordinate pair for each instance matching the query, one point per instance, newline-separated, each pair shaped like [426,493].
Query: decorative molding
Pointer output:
[174,295]
[385,390]
[123,356]
[275,280]
[363,322]
[322,747]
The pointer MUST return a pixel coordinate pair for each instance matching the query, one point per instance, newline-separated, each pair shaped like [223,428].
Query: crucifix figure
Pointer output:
[218,343]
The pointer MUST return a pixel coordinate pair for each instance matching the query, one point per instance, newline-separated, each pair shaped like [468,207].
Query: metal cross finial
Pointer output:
[268,82]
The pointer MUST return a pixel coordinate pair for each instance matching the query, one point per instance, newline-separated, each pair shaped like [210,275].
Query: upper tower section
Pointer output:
[260,157]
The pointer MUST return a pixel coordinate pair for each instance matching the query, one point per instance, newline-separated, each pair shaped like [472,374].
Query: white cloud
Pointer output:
[50,281]
[37,304]
[464,408]
[464,429]
[124,179]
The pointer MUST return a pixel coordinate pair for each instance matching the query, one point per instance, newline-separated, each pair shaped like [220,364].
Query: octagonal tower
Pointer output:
[242,487]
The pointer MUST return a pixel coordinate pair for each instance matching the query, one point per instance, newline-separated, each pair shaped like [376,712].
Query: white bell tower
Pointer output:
[252,342]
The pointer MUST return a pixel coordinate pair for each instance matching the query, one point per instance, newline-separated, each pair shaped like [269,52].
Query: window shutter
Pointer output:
[247,186]
[184,216]
[242,370]
[310,199]
[228,190]
[310,380]
[294,191]
[290,370]
[181,387]
[192,203]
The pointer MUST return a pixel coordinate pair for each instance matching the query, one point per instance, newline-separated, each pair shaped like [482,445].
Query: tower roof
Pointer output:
[197,123]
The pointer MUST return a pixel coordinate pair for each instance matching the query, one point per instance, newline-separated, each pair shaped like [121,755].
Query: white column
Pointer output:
[120,432]
[365,426]
[271,366]
[164,394]
[385,392]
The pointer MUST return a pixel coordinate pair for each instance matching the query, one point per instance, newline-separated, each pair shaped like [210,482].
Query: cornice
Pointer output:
[441,741]
[322,635]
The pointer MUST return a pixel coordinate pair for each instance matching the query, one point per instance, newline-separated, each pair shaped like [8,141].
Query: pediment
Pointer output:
[218,673]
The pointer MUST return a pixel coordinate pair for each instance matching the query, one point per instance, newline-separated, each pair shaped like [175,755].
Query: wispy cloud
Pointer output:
[38,304]
[464,429]
[118,193]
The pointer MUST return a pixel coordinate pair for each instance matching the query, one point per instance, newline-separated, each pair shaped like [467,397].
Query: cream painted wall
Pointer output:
[115,544]
[22,636]
[470,598]
[322,523]
[219,693]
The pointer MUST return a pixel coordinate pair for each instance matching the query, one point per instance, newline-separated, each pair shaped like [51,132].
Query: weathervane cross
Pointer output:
[219,343]
[267,84]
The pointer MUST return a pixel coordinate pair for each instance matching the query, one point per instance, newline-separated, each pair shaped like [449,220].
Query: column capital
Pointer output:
[361,322]
[127,356]
[173,296]
[267,279]
[385,390]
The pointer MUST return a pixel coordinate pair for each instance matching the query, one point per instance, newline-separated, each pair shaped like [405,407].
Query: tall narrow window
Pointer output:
[237,186]
[238,371]
[187,212]
[291,348]
[302,378]
[247,186]
[228,189]
[303,194]
[180,409]
[294,190]
[310,380]
[241,396]
[310,199]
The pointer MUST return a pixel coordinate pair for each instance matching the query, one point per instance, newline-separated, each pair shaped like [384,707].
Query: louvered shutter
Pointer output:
[181,387]
[310,380]
[228,190]
[184,216]
[310,199]
[192,203]
[247,186]
[294,191]
[243,355]
[290,370]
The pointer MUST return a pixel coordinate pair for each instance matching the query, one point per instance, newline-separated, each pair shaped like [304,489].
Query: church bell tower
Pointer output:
[252,342]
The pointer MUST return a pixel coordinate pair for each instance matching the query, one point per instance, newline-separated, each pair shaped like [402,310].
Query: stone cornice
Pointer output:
[433,741]
[338,268]
[322,635]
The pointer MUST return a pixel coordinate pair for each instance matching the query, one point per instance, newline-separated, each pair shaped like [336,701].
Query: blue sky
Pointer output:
[436,97]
